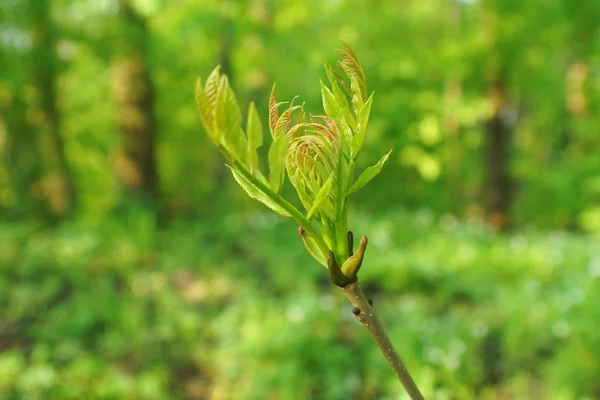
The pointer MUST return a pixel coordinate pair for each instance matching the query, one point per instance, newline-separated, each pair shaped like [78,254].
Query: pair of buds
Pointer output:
[340,276]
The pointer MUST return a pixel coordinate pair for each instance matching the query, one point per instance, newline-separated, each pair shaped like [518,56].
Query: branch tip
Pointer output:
[354,262]
[335,272]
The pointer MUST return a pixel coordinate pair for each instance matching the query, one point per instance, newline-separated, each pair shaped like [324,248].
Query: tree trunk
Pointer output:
[134,94]
[498,154]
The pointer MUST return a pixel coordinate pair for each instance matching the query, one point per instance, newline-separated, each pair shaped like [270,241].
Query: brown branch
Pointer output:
[365,314]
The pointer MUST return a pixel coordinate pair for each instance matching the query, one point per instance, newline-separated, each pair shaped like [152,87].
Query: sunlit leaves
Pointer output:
[206,102]
[205,111]
[318,153]
[221,117]
[353,69]
[340,98]
[228,119]
[351,117]
[212,85]
[368,174]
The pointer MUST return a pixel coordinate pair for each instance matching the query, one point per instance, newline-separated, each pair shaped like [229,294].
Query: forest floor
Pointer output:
[235,309]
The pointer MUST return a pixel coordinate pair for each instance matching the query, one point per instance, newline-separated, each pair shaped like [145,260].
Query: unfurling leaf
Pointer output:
[273,112]
[368,174]
[318,153]
[284,123]
[255,192]
[277,157]
[330,105]
[212,85]
[358,100]
[340,97]
[228,120]
[205,112]
[255,138]
[312,247]
[363,119]
[320,198]
[336,80]
[351,66]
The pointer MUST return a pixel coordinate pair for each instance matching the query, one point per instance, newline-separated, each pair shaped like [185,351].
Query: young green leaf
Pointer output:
[205,110]
[363,119]
[334,75]
[253,191]
[284,123]
[320,198]
[255,137]
[340,98]
[330,105]
[347,136]
[351,66]
[273,112]
[336,80]
[212,86]
[358,99]
[277,157]
[368,174]
[228,120]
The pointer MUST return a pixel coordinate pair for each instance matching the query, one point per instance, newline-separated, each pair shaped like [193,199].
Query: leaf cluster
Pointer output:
[317,153]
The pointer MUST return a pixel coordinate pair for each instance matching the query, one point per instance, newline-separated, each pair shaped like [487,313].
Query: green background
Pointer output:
[132,277]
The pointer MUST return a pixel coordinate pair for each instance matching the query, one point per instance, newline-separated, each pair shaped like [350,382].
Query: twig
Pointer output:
[365,313]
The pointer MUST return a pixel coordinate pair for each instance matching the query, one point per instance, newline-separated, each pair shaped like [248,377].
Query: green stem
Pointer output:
[366,315]
[342,223]
[293,211]
[341,231]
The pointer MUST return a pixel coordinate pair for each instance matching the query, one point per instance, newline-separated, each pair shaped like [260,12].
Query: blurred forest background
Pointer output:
[133,267]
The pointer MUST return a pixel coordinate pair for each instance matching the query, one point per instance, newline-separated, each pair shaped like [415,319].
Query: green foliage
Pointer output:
[319,157]
[123,309]
[110,306]
[433,97]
